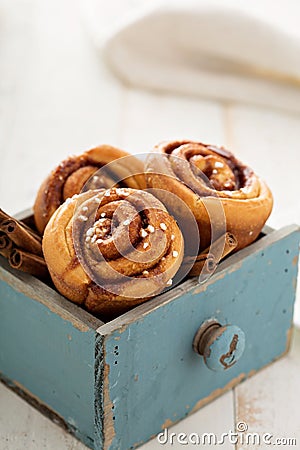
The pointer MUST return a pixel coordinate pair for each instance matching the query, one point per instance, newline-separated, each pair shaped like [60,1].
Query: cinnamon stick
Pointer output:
[6,245]
[3,216]
[222,246]
[22,236]
[204,263]
[29,223]
[207,261]
[27,262]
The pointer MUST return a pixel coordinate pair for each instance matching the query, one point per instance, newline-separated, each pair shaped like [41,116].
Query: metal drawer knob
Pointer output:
[220,346]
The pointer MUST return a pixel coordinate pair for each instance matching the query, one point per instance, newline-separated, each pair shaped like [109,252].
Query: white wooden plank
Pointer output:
[269,402]
[216,418]
[101,16]
[58,99]
[56,96]
[23,427]
[64,101]
[153,117]
[268,141]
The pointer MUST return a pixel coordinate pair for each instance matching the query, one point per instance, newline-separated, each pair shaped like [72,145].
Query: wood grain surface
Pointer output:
[57,98]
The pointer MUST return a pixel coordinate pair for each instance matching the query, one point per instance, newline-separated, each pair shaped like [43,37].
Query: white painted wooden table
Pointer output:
[56,98]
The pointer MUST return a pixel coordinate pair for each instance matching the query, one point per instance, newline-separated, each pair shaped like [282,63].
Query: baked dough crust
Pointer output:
[207,177]
[71,175]
[137,250]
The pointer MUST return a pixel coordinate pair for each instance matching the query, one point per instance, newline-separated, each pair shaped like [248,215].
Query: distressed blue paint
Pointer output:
[221,346]
[49,357]
[155,376]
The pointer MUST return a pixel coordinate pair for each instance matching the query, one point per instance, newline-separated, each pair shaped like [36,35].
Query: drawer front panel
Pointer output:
[154,376]
[48,358]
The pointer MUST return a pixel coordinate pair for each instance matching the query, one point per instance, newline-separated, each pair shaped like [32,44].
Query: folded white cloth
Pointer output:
[213,49]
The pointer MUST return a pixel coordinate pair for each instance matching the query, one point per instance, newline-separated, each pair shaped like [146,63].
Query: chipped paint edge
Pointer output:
[108,423]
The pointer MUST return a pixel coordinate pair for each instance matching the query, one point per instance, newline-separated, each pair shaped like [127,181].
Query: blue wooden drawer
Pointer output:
[115,385]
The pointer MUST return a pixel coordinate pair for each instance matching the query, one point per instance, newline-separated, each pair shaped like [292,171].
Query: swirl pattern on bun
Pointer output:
[70,176]
[109,250]
[209,178]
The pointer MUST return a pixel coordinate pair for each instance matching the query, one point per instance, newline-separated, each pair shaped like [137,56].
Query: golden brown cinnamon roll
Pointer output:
[71,175]
[111,250]
[224,194]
